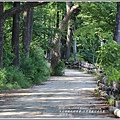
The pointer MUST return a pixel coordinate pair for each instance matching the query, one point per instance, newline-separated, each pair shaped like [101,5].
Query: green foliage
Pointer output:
[94,23]
[102,13]
[112,74]
[12,78]
[44,27]
[8,56]
[32,70]
[109,54]
[94,19]
[88,44]
[27,67]
[3,78]
[118,97]
[111,101]
[97,92]
[16,78]
[35,66]
[78,56]
[42,71]
[108,58]
[71,59]
[59,69]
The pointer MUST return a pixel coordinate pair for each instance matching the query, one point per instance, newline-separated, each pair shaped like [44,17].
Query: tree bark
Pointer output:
[1,34]
[69,33]
[57,22]
[56,42]
[30,25]
[15,36]
[75,41]
[75,50]
[24,7]
[68,43]
[50,51]
[27,29]
[117,25]
[67,17]
[5,14]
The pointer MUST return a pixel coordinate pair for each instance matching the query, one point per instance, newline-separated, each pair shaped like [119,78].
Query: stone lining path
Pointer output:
[68,96]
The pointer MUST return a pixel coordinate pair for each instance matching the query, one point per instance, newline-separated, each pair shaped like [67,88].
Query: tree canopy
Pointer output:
[34,33]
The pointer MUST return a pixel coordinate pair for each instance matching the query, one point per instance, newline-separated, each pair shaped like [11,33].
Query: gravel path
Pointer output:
[68,96]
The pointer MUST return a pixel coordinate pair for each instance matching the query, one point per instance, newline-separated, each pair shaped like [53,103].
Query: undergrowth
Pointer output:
[32,70]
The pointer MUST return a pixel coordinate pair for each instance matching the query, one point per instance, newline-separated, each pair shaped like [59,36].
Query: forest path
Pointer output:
[68,96]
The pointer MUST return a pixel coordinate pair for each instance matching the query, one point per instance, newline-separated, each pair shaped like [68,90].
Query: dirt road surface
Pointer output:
[68,96]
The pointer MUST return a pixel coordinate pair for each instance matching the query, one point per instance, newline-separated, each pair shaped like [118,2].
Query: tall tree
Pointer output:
[117,25]
[15,35]
[1,34]
[68,42]
[56,42]
[27,29]
[57,22]
[69,32]
[74,18]
[57,26]
[7,13]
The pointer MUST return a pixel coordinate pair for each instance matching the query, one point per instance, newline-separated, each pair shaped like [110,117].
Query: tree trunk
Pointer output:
[67,17]
[57,23]
[50,42]
[68,43]
[75,50]
[30,25]
[27,30]
[55,51]
[69,33]
[63,42]
[63,48]
[117,25]
[1,34]
[5,14]
[15,36]
[49,51]
[75,42]
[56,42]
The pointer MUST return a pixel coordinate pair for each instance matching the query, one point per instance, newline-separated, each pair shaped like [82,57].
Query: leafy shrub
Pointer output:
[3,78]
[7,56]
[111,101]
[109,59]
[112,74]
[71,59]
[78,58]
[41,70]
[27,67]
[33,69]
[59,69]
[12,78]
[16,78]
[35,66]
[109,54]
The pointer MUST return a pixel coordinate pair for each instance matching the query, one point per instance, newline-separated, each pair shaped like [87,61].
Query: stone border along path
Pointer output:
[68,96]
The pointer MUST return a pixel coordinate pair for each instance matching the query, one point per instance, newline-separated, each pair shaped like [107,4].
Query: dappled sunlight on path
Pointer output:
[68,96]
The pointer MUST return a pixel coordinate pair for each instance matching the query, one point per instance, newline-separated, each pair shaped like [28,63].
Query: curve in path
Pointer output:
[68,96]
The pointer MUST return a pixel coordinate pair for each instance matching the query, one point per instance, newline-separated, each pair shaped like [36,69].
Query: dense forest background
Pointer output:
[34,34]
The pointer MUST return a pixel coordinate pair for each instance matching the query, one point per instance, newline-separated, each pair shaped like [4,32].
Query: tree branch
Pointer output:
[67,17]
[23,7]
